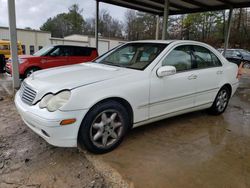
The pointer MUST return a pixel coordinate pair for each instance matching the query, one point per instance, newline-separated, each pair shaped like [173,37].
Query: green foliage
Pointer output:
[139,25]
[65,23]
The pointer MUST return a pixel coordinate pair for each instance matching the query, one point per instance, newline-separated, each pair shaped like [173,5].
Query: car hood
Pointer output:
[70,77]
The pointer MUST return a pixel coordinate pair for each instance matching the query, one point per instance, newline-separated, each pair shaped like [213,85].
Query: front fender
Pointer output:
[135,93]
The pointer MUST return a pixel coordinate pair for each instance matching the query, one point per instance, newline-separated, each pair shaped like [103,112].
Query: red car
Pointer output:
[52,56]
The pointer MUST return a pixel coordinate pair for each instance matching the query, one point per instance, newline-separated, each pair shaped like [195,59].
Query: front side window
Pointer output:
[180,58]
[204,58]
[133,55]
[44,51]
[62,51]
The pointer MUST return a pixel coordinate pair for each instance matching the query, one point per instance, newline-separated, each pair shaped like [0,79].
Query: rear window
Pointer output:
[82,51]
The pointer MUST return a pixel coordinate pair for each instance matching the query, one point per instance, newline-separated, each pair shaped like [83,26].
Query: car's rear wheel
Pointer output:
[104,127]
[29,71]
[221,101]
[246,65]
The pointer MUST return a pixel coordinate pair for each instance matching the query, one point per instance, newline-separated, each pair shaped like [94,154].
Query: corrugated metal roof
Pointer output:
[179,6]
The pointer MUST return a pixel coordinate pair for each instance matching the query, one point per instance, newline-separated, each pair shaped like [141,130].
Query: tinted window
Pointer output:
[82,51]
[232,53]
[62,51]
[180,58]
[204,58]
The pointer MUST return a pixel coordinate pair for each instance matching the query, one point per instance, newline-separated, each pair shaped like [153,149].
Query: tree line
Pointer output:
[208,27]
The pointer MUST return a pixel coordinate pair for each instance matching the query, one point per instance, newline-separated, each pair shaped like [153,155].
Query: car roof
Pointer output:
[168,41]
[7,42]
[56,45]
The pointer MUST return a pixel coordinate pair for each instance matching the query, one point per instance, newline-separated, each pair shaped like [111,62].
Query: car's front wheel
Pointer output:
[221,101]
[29,71]
[104,127]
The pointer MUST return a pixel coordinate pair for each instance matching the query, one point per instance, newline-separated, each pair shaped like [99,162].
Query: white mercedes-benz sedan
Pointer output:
[95,104]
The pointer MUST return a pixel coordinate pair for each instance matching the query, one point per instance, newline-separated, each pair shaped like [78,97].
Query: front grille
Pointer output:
[27,94]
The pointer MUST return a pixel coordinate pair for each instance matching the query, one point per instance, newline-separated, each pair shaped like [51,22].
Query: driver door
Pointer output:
[173,93]
[57,57]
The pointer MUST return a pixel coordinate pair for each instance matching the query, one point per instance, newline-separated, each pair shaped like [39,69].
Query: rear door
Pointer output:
[80,55]
[209,71]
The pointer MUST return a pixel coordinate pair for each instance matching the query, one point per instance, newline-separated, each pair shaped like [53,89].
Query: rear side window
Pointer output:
[180,58]
[204,58]
[82,51]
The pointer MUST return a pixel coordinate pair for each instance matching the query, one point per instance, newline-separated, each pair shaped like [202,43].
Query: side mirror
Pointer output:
[166,71]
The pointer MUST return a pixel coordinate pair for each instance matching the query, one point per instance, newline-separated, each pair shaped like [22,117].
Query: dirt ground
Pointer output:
[27,161]
[192,150]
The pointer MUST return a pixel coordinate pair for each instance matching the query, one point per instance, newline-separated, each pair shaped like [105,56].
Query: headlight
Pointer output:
[54,102]
[19,60]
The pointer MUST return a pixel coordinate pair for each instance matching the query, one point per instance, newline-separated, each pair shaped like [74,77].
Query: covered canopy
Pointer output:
[179,6]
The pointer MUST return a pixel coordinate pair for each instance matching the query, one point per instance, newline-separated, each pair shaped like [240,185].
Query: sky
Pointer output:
[33,13]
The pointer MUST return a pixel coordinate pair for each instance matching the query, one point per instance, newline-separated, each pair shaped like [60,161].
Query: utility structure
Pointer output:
[162,8]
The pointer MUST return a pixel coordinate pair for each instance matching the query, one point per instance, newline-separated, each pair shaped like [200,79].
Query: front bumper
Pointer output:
[47,124]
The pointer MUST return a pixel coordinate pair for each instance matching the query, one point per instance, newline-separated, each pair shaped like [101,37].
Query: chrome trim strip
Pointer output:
[175,98]
[163,116]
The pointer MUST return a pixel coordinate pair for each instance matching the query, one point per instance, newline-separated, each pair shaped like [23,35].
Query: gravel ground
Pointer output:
[26,160]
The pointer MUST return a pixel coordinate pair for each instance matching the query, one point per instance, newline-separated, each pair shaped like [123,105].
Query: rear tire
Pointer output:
[104,127]
[221,101]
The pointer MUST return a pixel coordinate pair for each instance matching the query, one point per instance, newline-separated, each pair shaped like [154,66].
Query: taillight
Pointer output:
[239,74]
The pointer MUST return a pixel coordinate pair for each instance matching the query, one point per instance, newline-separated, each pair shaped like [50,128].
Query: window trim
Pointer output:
[159,64]
[211,58]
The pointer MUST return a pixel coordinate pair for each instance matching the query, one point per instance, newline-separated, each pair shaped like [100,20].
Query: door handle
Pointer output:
[192,77]
[219,72]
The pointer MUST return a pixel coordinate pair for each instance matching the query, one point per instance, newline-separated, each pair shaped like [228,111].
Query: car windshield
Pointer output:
[133,55]
[43,51]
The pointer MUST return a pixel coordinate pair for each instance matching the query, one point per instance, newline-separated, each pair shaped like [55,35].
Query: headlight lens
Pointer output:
[19,60]
[54,102]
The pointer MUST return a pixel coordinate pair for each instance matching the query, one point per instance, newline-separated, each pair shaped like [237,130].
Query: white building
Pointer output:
[33,40]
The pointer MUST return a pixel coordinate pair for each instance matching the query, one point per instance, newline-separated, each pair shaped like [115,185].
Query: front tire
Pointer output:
[221,101]
[104,127]
[246,65]
[29,71]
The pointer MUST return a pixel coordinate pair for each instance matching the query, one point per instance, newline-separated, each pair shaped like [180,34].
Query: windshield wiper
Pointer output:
[111,63]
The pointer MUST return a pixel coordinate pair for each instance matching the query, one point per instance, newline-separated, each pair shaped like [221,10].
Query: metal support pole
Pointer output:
[165,20]
[97,24]
[13,44]
[157,28]
[228,29]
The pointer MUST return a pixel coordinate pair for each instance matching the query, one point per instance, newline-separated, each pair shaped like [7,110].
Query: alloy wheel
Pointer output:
[106,129]
[222,100]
